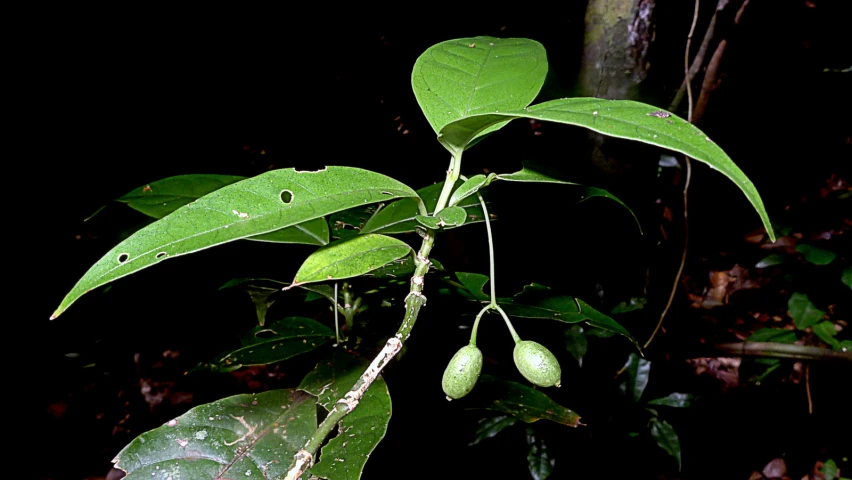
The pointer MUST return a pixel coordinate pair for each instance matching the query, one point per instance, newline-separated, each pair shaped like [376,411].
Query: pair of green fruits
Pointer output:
[534,361]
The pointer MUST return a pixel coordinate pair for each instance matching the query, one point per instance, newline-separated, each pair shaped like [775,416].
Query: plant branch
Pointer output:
[779,350]
[414,301]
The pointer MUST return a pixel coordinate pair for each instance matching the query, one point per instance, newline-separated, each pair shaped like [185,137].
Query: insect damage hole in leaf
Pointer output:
[160,255]
[123,257]
[286,196]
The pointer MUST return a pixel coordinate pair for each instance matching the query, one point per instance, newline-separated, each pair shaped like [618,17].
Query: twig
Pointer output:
[777,350]
[808,388]
[688,168]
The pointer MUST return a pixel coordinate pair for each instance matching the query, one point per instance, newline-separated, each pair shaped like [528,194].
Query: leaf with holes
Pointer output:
[244,436]
[522,402]
[531,176]
[160,198]
[616,118]
[351,258]
[271,201]
[803,312]
[401,215]
[345,455]
[468,76]
[280,340]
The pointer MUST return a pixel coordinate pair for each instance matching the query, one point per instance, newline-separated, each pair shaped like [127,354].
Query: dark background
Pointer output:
[115,99]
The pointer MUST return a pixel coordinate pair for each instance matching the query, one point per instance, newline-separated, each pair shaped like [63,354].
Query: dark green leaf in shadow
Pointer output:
[636,373]
[278,341]
[803,312]
[531,176]
[676,400]
[525,403]
[350,258]
[244,436]
[666,438]
[816,255]
[344,456]
[771,260]
[160,198]
[635,303]
[846,277]
[576,343]
[826,332]
[491,426]
[268,202]
[829,470]
[539,461]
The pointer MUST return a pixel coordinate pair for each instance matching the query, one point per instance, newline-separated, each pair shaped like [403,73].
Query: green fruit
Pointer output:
[537,364]
[462,372]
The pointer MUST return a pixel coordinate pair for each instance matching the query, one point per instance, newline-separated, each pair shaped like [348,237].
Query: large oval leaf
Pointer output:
[350,258]
[469,76]
[244,436]
[271,201]
[621,119]
[345,455]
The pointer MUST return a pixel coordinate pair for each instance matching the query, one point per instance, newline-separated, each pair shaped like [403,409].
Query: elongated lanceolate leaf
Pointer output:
[520,401]
[351,258]
[531,176]
[160,198]
[271,201]
[622,119]
[275,342]
[244,436]
[491,426]
[470,187]
[666,437]
[636,373]
[539,461]
[344,457]
[468,76]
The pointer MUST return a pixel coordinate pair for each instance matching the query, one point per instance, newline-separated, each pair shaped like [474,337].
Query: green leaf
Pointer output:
[525,403]
[636,371]
[539,461]
[531,176]
[400,216]
[826,332]
[468,76]
[635,303]
[777,335]
[803,312]
[816,255]
[846,277]
[576,342]
[829,470]
[666,438]
[260,298]
[312,232]
[676,400]
[351,258]
[470,187]
[276,342]
[160,198]
[771,260]
[491,426]
[346,454]
[621,119]
[244,436]
[448,217]
[271,201]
